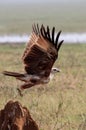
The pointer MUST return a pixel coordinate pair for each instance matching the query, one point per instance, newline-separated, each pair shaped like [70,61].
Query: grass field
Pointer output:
[59,105]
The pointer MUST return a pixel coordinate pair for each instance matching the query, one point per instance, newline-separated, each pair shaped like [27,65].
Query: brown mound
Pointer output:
[16,117]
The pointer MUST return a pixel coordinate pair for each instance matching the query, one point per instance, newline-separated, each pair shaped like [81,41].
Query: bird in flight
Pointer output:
[39,56]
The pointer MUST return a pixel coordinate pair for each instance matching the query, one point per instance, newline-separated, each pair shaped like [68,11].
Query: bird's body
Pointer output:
[39,56]
[29,79]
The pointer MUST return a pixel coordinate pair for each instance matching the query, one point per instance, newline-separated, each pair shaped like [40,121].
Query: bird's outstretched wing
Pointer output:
[41,51]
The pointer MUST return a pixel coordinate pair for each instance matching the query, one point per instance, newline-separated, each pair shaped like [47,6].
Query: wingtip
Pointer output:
[53,35]
[35,28]
[47,34]
[59,45]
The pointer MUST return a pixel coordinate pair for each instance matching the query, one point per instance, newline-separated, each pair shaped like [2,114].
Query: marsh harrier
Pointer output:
[39,56]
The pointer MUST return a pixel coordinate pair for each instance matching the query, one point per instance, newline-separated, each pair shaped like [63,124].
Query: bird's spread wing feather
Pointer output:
[41,51]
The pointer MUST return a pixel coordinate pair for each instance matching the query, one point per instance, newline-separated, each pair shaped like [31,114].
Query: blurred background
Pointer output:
[17,17]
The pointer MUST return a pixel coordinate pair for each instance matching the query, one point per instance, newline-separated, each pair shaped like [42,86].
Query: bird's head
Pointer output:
[55,70]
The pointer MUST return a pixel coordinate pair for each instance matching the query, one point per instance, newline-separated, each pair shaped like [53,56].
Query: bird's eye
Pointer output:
[54,69]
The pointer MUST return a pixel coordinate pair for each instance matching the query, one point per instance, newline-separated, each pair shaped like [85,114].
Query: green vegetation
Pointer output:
[59,105]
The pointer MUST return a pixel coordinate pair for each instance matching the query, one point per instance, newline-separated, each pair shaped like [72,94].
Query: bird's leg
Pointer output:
[20,92]
[27,85]
[24,86]
[34,80]
[30,80]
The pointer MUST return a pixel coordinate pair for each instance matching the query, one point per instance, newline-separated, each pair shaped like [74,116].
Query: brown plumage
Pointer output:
[16,117]
[39,56]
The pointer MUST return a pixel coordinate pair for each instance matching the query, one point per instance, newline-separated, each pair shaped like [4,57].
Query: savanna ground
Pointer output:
[59,105]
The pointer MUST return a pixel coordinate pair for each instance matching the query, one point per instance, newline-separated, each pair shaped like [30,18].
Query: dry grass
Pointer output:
[59,105]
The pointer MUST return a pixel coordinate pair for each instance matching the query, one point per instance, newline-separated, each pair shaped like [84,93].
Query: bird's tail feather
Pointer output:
[14,74]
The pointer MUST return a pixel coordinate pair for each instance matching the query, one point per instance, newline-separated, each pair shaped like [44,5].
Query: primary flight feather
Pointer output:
[39,56]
